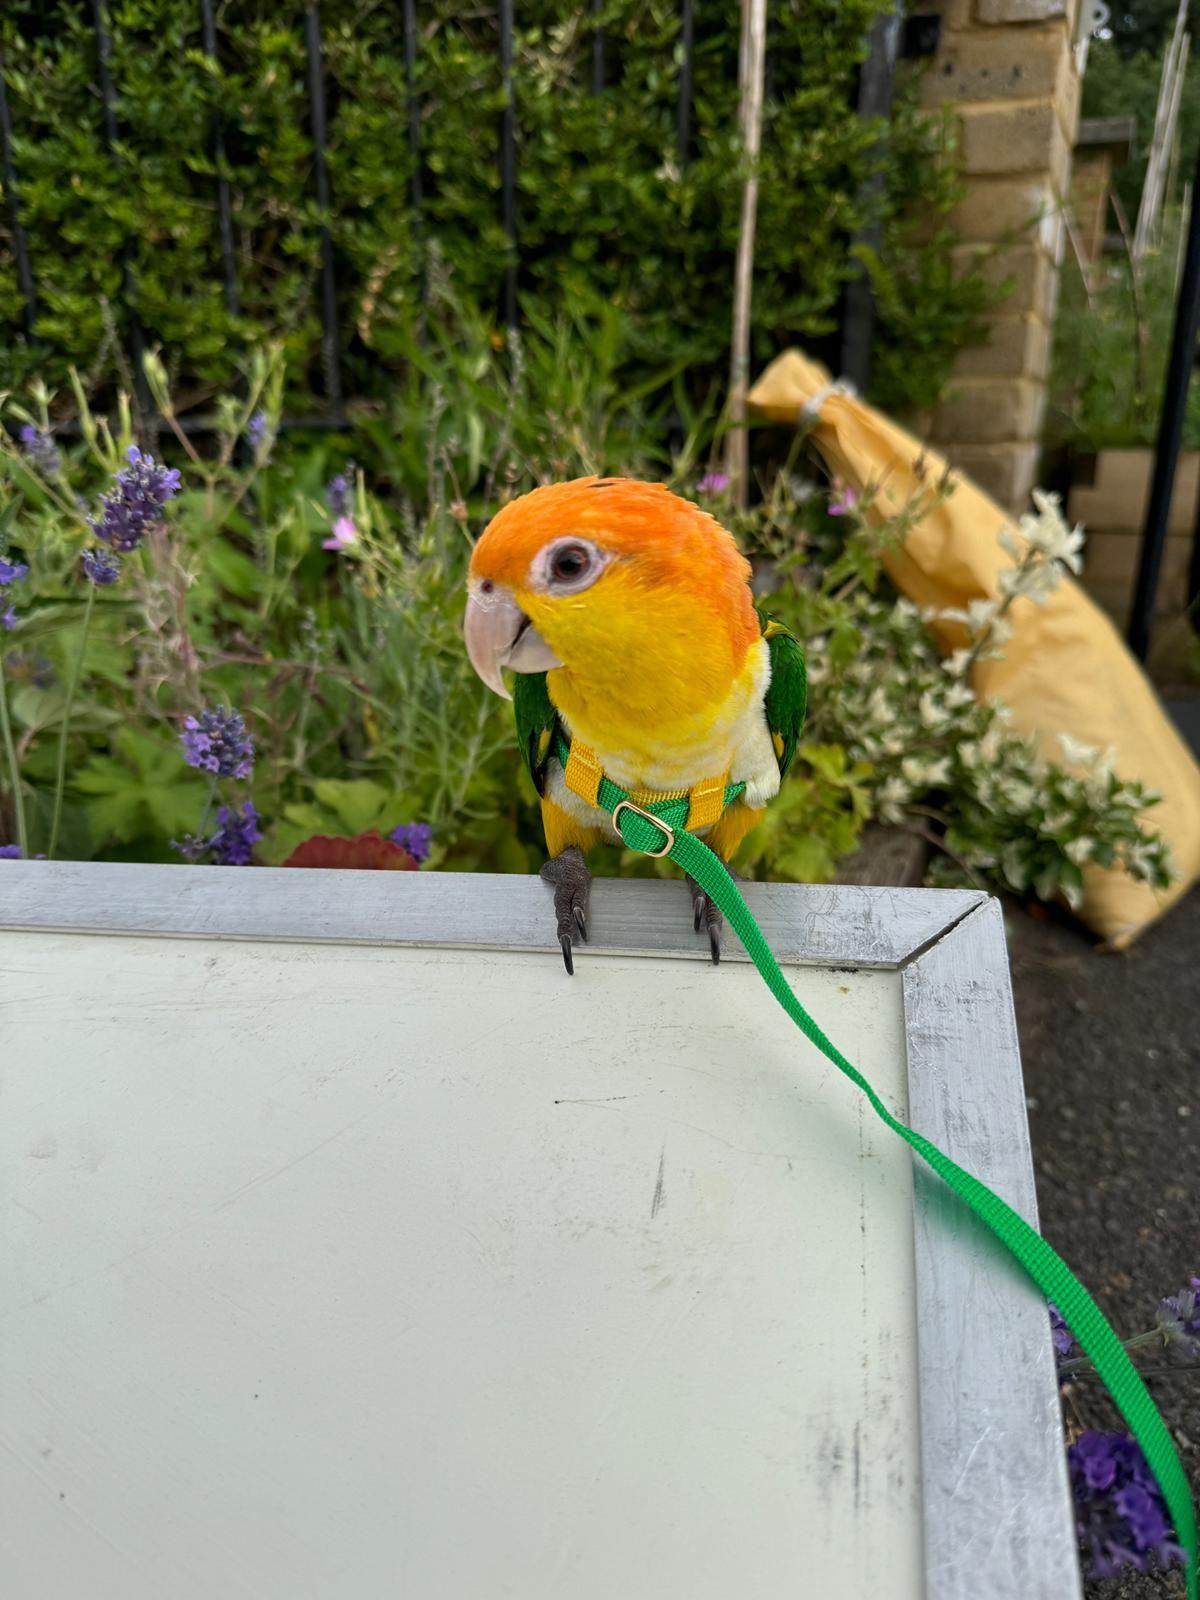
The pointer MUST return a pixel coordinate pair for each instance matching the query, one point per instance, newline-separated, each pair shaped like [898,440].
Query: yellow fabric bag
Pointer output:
[1065,670]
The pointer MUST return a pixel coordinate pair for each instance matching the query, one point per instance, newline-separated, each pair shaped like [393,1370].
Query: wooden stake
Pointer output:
[752,54]
[1169,92]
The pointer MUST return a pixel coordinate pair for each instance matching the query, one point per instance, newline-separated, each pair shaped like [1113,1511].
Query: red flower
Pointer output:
[366,851]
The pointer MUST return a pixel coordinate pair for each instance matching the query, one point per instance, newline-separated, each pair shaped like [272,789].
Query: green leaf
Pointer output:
[356,804]
[233,569]
[35,708]
[143,791]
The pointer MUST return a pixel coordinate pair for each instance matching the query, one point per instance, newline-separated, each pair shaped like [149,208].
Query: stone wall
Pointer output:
[1008,68]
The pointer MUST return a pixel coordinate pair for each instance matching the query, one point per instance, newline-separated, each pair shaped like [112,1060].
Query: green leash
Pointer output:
[659,831]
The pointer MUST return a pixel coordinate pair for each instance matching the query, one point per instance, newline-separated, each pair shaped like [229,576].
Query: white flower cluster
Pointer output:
[936,751]
[896,731]
[1048,546]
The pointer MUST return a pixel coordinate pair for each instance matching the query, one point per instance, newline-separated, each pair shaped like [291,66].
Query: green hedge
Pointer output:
[605,213]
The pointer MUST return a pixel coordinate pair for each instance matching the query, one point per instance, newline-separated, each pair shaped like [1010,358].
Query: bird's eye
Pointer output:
[568,566]
[569,562]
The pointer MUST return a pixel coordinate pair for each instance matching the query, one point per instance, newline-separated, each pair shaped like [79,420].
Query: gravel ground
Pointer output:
[1111,1052]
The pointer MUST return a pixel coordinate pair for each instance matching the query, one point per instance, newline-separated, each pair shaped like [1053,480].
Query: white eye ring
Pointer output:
[567,566]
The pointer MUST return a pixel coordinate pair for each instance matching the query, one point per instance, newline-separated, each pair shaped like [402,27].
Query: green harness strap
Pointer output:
[657,830]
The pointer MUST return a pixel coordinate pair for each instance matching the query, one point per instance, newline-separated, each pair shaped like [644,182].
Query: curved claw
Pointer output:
[571,881]
[706,916]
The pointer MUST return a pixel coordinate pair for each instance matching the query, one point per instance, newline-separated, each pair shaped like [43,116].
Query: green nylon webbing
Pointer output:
[1047,1269]
[609,795]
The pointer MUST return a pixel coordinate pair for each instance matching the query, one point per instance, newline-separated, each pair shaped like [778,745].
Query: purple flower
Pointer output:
[260,434]
[345,534]
[1179,1321]
[236,835]
[10,572]
[415,837]
[134,505]
[10,852]
[40,451]
[844,501]
[192,847]
[1120,1515]
[713,483]
[1144,1514]
[339,490]
[1064,1342]
[216,741]
[100,566]
[231,845]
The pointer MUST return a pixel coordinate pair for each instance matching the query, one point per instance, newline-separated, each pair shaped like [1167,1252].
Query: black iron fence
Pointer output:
[890,36]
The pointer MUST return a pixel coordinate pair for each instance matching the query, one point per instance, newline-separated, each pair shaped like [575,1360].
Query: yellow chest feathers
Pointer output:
[728,736]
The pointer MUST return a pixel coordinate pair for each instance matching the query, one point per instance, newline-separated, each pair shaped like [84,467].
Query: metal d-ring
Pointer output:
[638,811]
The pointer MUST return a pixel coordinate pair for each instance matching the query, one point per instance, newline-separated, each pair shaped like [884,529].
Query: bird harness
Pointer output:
[697,807]
[660,828]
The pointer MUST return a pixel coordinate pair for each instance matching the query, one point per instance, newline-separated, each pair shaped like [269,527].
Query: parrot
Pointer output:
[625,615]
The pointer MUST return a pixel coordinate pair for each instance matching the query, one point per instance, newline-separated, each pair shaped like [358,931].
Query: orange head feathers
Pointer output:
[624,592]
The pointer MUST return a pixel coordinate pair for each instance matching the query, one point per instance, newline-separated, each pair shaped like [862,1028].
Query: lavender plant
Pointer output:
[416,838]
[136,503]
[1120,1515]
[40,449]
[232,842]
[11,572]
[216,742]
[133,506]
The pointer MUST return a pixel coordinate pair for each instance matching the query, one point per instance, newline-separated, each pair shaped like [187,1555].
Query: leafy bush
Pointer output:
[608,215]
[347,662]
[895,730]
[1112,338]
[281,586]
[1112,341]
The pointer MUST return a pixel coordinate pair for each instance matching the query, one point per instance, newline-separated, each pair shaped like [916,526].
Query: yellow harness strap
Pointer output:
[706,802]
[706,799]
[583,772]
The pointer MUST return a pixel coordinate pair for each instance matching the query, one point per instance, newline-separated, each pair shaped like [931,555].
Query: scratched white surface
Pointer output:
[335,1271]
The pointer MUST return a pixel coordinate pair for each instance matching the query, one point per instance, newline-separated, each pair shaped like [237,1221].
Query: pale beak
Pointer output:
[499,634]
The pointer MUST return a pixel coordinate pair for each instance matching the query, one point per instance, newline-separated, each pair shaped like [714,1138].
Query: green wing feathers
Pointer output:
[535,718]
[787,694]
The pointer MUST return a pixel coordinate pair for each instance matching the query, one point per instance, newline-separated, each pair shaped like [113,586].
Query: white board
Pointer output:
[364,1271]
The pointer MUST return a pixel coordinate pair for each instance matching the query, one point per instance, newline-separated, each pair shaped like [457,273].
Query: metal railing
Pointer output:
[856,323]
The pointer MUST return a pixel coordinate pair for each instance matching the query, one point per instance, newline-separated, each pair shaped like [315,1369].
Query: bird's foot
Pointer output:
[706,915]
[572,883]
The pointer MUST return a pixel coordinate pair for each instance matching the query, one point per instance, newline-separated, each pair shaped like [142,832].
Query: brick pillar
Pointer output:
[1008,68]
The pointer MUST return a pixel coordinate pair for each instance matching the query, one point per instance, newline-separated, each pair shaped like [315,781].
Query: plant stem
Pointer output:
[939,843]
[14,770]
[60,777]
[1185,1369]
[187,444]
[45,486]
[208,805]
[1139,1341]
